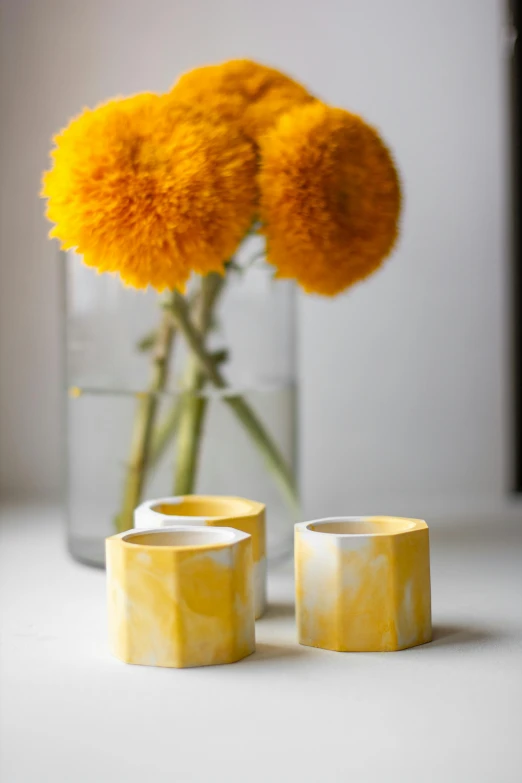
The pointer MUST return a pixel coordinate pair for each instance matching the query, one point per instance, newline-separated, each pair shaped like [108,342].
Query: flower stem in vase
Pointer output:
[269,450]
[194,405]
[137,464]
[167,428]
[189,437]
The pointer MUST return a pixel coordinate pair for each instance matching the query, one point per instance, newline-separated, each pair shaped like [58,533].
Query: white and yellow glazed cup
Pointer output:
[363,583]
[215,511]
[180,596]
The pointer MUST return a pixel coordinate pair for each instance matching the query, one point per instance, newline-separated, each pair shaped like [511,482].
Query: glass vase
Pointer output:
[109,335]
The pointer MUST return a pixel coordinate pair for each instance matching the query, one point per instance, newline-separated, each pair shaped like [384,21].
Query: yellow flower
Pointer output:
[330,198]
[241,91]
[139,190]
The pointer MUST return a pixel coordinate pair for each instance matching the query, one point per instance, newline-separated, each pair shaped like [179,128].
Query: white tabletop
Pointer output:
[447,711]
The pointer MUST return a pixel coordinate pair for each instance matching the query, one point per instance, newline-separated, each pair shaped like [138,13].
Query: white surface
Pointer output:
[447,711]
[403,382]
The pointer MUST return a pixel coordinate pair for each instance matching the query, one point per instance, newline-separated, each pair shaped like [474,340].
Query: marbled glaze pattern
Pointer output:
[214,511]
[365,591]
[180,606]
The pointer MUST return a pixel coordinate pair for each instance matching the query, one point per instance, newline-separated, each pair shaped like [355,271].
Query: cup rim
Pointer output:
[150,511]
[228,535]
[408,525]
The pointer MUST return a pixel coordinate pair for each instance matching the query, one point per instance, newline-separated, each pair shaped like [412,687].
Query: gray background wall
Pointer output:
[405,380]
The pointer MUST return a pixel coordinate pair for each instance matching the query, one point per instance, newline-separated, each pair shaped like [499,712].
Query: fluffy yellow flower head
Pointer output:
[330,198]
[241,91]
[141,190]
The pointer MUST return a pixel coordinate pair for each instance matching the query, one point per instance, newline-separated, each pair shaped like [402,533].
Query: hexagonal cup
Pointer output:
[363,583]
[180,596]
[215,511]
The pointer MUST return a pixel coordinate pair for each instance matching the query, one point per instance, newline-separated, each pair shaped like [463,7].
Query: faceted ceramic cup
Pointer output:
[180,596]
[363,583]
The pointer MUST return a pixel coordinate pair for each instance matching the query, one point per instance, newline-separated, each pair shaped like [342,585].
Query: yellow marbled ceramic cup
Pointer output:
[180,596]
[363,583]
[215,511]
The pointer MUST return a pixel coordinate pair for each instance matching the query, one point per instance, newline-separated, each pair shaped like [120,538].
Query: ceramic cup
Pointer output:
[180,596]
[215,511]
[363,583]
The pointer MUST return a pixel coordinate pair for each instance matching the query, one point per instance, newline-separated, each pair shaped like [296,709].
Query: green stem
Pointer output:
[194,406]
[246,415]
[188,442]
[143,423]
[165,431]
[271,454]
[168,427]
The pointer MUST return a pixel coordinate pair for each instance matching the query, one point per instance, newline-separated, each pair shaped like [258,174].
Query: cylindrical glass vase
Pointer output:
[109,335]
